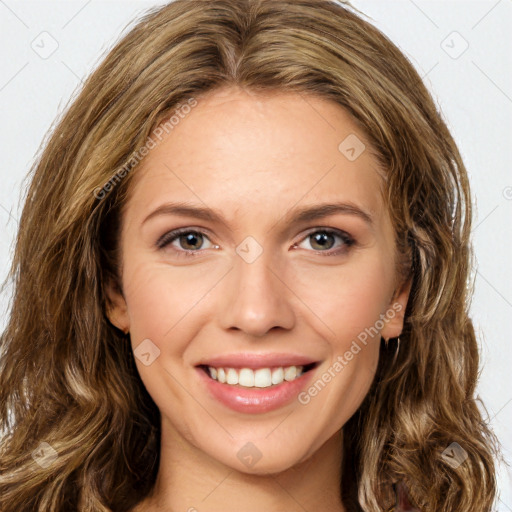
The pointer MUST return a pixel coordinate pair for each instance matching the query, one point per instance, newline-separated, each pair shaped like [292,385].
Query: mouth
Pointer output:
[255,390]
[256,378]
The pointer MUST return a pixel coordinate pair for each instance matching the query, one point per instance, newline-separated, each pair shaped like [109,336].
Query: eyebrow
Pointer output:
[295,216]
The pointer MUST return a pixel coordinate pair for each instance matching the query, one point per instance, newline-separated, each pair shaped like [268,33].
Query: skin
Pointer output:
[256,158]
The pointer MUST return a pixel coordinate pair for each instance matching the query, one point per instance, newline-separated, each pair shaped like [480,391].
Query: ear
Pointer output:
[117,310]
[394,316]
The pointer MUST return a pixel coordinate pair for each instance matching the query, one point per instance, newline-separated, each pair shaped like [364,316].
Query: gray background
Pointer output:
[461,48]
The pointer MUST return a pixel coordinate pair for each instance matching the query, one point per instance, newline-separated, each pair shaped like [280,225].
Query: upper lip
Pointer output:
[250,360]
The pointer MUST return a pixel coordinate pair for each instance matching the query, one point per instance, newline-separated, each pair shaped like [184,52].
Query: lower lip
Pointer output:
[255,400]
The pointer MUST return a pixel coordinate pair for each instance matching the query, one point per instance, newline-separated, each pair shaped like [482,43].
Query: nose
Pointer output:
[256,298]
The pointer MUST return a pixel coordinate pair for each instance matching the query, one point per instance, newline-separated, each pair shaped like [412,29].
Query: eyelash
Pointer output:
[171,236]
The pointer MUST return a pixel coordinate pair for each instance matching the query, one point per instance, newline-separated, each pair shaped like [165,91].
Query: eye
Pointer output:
[188,241]
[325,239]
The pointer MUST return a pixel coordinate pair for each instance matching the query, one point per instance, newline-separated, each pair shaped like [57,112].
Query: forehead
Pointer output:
[243,150]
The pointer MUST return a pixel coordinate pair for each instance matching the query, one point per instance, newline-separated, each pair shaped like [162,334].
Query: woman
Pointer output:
[178,342]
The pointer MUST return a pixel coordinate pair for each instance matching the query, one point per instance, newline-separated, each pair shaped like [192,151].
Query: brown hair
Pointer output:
[68,377]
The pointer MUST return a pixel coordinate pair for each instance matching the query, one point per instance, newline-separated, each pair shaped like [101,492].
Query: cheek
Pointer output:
[168,305]
[349,377]
[157,301]
[348,299]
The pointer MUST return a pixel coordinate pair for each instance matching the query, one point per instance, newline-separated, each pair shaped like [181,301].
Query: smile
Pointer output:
[270,388]
[257,378]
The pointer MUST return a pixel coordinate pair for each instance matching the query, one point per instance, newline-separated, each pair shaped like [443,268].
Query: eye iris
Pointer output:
[191,239]
[320,238]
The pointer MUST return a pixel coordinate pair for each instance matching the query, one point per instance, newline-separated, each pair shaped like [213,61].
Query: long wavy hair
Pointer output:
[69,386]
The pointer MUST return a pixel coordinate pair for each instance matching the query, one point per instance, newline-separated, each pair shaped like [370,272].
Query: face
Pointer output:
[233,261]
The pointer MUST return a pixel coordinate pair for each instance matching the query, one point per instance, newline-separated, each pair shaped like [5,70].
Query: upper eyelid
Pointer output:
[340,233]
[174,234]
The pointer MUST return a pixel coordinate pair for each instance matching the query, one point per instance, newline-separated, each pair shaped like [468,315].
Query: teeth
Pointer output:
[246,378]
[290,373]
[232,376]
[260,378]
[278,375]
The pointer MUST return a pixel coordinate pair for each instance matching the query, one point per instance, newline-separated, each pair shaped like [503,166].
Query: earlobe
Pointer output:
[117,310]
[395,313]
